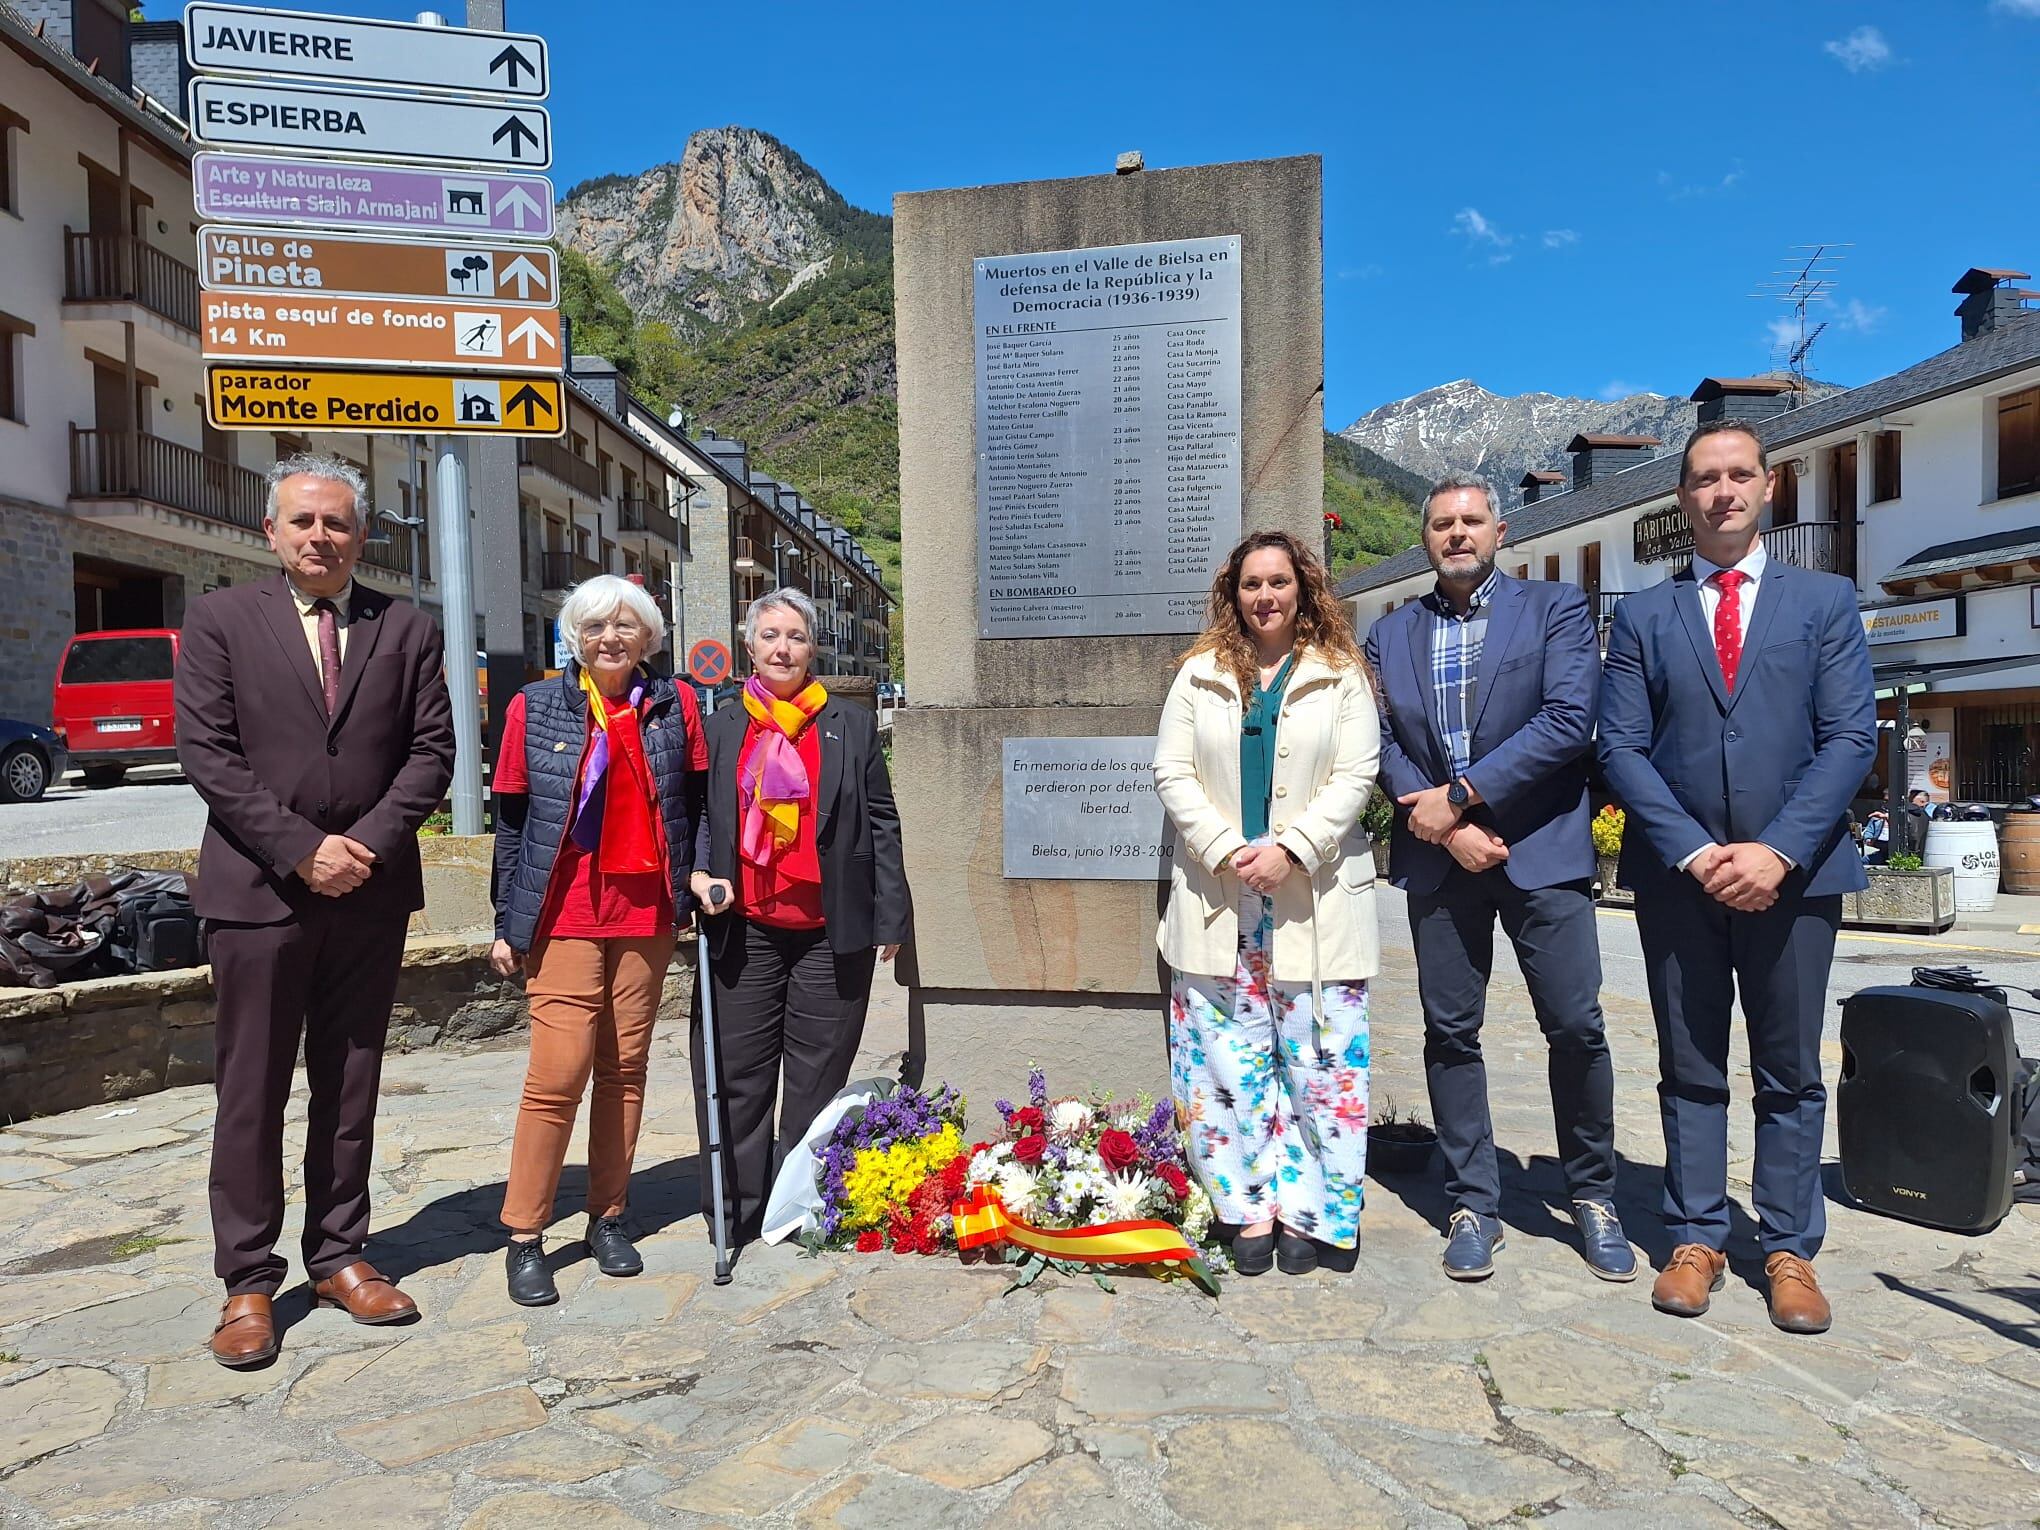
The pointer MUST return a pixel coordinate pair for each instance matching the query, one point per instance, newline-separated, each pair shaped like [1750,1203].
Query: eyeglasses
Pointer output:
[592,631]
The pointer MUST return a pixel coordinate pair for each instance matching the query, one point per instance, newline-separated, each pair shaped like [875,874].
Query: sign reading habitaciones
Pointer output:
[1108,436]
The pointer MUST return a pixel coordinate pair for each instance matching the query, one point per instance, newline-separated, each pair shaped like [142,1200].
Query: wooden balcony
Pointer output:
[554,460]
[648,517]
[120,464]
[391,548]
[564,570]
[744,557]
[125,268]
[1823,547]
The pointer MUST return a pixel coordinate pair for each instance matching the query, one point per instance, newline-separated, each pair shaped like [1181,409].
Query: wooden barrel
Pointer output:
[2021,853]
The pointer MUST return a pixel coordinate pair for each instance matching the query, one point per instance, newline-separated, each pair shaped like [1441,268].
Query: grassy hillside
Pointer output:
[1377,501]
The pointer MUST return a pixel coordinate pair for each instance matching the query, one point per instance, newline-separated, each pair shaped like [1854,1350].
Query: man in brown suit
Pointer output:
[312,716]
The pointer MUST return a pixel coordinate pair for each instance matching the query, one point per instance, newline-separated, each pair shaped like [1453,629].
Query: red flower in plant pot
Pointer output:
[1117,1150]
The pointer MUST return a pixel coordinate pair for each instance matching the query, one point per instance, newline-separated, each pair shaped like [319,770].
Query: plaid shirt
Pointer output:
[1456,642]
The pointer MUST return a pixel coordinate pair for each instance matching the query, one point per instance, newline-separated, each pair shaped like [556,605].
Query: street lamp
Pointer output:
[412,523]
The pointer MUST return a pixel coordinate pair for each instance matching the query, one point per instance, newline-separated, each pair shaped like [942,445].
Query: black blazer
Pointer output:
[857,828]
[277,775]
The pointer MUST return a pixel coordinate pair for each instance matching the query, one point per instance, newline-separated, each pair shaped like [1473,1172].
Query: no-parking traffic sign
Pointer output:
[709,661]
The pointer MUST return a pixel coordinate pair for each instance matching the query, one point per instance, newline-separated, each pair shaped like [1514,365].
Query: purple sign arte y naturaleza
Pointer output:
[259,188]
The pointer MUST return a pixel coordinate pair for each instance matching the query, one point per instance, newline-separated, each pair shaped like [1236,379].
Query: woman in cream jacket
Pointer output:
[1267,753]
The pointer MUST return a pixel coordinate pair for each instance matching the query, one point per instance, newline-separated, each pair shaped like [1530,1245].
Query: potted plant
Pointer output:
[1904,894]
[1376,819]
[1607,826]
[1398,1144]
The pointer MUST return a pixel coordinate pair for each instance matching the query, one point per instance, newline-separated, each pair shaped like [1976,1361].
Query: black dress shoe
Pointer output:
[615,1254]
[1294,1253]
[1254,1255]
[531,1281]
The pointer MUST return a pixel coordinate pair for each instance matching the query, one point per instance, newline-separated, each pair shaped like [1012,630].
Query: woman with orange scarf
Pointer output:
[799,845]
[596,788]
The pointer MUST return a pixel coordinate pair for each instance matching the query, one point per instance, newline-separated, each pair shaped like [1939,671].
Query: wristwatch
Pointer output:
[1458,795]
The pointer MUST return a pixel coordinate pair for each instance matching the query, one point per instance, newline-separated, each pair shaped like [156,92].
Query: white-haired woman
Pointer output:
[596,786]
[800,837]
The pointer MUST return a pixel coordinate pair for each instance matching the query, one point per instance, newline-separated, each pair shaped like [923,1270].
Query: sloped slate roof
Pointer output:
[1973,552]
[2005,349]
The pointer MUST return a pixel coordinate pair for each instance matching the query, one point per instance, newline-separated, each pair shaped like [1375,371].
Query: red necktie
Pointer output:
[1728,623]
[329,652]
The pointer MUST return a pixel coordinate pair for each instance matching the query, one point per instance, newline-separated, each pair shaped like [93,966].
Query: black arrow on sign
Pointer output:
[510,60]
[530,400]
[518,133]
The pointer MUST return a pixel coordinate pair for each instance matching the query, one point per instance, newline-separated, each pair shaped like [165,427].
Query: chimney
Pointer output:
[729,455]
[1535,485]
[156,63]
[1989,300]
[599,379]
[1595,457]
[1746,398]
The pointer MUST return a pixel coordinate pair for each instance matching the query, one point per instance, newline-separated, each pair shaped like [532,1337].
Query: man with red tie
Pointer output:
[313,719]
[1737,720]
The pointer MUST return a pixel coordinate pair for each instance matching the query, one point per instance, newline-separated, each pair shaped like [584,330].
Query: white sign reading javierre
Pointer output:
[1108,436]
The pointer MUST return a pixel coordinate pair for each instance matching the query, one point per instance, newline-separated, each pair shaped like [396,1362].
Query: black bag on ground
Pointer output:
[155,927]
[2026,1142]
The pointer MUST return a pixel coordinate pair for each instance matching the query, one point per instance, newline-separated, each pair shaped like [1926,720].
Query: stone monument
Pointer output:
[1104,381]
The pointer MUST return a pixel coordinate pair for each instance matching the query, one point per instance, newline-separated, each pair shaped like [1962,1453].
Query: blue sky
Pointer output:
[1572,198]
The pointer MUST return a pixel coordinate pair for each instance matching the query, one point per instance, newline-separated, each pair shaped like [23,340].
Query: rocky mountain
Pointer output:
[1462,427]
[738,222]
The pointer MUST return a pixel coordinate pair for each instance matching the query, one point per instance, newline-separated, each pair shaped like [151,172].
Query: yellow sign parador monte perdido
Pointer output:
[415,403]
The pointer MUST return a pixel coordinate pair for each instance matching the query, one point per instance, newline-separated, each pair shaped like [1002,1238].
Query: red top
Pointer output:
[582,902]
[789,896]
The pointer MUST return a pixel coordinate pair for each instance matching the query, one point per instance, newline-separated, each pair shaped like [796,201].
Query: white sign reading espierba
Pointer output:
[1083,809]
[305,120]
[241,39]
[1108,436]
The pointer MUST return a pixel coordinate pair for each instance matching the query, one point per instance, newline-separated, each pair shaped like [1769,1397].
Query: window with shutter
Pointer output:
[1884,482]
[2018,443]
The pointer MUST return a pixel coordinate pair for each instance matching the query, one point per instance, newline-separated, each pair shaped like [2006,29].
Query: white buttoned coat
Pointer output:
[1327,751]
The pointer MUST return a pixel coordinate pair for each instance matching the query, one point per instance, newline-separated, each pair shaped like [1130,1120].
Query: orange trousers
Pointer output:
[593,1003]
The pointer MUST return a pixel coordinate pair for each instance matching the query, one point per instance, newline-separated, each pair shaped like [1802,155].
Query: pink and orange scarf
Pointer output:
[775,786]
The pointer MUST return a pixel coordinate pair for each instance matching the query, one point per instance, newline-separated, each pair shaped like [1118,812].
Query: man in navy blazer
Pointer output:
[1737,720]
[1488,687]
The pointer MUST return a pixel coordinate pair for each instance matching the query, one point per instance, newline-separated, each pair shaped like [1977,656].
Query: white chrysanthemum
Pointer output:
[985,1166]
[1196,1213]
[1079,1185]
[1018,1186]
[1127,1195]
[1069,1119]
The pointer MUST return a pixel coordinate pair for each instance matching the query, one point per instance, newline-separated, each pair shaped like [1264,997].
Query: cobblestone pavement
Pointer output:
[904,1392]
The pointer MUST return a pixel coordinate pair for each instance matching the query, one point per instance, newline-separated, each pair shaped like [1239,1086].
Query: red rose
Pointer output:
[1028,1119]
[870,1241]
[1177,1181]
[1030,1149]
[1117,1150]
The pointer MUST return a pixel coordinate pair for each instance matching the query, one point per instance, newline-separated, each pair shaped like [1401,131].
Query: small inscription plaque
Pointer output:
[1108,436]
[1083,809]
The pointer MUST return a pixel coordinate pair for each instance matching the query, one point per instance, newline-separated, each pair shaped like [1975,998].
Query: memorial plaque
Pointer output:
[1108,437]
[1084,809]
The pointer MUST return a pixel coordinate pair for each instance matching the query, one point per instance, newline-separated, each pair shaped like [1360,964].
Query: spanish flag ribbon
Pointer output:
[982,1221]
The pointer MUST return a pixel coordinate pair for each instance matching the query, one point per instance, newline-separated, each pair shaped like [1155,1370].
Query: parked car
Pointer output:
[113,701]
[31,757]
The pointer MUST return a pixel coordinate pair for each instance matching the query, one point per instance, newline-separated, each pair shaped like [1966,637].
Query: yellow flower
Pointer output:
[1607,829]
[880,1179]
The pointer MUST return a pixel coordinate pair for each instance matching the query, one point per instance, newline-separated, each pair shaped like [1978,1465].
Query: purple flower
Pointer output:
[1037,1088]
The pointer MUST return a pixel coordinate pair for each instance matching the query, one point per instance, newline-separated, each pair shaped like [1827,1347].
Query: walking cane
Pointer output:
[715,1152]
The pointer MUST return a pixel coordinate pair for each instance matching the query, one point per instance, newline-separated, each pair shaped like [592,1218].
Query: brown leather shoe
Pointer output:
[1689,1276]
[1796,1303]
[366,1295]
[245,1335]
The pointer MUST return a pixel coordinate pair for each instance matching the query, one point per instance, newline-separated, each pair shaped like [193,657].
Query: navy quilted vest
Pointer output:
[555,738]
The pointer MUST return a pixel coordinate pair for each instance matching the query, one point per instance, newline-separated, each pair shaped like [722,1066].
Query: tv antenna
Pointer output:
[1807,278]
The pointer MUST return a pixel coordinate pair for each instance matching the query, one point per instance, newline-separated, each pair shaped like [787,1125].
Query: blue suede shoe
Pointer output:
[1471,1242]
[1603,1241]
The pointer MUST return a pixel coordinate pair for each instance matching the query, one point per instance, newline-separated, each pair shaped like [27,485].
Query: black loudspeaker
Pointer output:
[1926,1115]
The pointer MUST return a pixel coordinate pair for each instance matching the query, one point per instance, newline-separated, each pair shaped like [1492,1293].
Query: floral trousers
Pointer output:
[1273,1098]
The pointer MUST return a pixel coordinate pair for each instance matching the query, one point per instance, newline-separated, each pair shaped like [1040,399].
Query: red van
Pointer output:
[113,701]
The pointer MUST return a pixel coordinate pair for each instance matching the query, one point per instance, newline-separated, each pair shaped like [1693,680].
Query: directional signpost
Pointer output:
[232,39]
[276,260]
[383,403]
[261,188]
[380,332]
[308,119]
